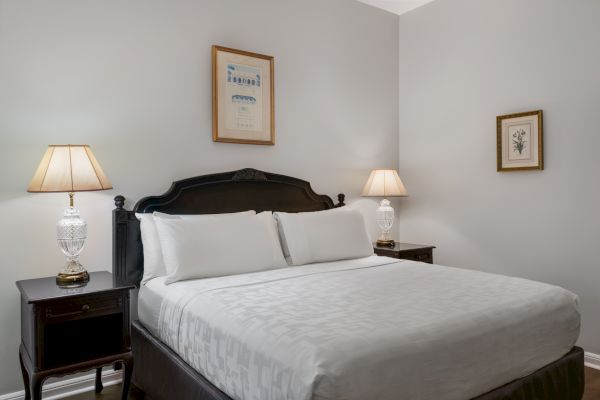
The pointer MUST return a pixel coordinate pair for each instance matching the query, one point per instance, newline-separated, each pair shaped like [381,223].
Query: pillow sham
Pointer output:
[322,236]
[154,265]
[218,246]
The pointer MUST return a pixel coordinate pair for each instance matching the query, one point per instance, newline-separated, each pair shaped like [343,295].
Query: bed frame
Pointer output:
[162,375]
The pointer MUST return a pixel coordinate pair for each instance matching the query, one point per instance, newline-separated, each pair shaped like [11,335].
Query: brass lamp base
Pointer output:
[386,243]
[77,279]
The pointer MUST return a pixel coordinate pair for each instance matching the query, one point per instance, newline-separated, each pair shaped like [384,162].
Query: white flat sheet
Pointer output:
[150,298]
[371,328]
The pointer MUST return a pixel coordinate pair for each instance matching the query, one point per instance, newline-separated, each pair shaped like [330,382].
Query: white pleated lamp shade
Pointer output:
[69,168]
[384,183]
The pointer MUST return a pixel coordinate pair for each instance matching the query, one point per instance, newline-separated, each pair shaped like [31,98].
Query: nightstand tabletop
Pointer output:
[44,289]
[404,247]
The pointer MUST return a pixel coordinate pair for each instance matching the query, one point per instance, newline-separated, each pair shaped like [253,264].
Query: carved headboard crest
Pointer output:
[249,174]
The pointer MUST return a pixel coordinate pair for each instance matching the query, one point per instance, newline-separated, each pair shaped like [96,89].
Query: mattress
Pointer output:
[376,328]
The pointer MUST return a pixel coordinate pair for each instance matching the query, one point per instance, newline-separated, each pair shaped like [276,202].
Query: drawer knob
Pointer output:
[85,308]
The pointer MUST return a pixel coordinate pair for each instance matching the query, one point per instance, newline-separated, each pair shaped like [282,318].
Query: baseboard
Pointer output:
[70,387]
[591,360]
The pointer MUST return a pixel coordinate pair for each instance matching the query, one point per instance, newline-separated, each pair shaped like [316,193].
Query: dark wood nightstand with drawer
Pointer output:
[67,330]
[407,251]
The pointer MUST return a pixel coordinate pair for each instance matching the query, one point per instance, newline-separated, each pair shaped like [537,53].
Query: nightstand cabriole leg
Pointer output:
[25,377]
[128,366]
[35,386]
[99,386]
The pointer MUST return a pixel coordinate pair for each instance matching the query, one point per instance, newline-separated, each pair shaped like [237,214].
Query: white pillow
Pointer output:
[154,265]
[153,259]
[322,236]
[219,246]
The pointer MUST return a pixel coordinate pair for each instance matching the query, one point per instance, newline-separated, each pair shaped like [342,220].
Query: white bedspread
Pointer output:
[371,328]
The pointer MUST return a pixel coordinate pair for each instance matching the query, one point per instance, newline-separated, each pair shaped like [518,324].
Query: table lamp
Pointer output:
[384,183]
[70,168]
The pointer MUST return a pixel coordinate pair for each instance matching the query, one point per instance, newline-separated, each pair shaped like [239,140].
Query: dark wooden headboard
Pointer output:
[246,189]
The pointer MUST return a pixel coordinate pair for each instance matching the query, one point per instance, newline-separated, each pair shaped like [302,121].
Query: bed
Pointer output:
[311,327]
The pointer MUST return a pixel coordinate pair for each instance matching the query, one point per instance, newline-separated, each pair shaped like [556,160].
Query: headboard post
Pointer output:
[127,246]
[119,202]
[341,198]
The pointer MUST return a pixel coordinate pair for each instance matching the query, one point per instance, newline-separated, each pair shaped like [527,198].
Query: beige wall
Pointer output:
[462,63]
[132,79]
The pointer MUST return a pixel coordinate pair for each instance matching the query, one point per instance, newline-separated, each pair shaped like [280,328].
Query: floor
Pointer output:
[592,384]
[592,390]
[109,393]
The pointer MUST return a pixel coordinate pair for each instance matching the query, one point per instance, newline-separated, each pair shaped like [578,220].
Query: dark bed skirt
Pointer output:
[561,380]
[162,375]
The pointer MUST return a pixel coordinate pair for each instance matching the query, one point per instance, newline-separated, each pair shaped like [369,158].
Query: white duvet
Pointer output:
[371,328]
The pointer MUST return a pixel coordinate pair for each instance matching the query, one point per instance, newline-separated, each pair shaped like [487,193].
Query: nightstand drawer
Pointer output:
[426,257]
[83,307]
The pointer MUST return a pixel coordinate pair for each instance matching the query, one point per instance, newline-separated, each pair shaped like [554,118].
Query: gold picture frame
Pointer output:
[243,97]
[519,141]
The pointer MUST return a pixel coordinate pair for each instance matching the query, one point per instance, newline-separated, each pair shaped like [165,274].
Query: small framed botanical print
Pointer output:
[243,103]
[520,141]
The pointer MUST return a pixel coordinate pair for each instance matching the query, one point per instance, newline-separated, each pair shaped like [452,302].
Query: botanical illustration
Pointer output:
[519,140]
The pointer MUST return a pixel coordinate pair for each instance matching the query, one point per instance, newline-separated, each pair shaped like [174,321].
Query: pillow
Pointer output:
[153,259]
[218,245]
[154,265]
[322,236]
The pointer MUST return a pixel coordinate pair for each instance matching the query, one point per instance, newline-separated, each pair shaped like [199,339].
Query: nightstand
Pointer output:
[72,330]
[407,251]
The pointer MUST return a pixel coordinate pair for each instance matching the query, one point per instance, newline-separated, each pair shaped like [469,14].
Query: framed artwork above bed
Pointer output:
[520,141]
[243,97]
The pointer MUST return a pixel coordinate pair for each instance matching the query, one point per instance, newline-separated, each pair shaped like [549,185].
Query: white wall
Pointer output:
[462,63]
[133,80]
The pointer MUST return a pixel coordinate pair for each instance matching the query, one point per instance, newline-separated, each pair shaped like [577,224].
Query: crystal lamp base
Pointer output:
[385,220]
[72,279]
[71,232]
[386,243]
